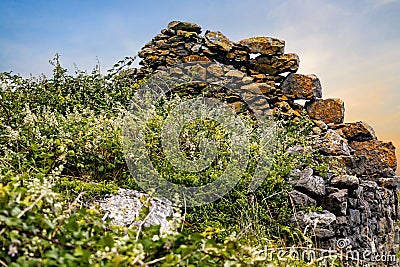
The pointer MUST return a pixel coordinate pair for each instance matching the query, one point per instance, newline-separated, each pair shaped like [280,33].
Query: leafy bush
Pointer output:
[266,213]
[67,122]
[60,145]
[39,228]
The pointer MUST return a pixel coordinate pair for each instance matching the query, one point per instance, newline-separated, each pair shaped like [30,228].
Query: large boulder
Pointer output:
[356,131]
[329,110]
[184,26]
[264,45]
[218,40]
[274,65]
[300,86]
[380,157]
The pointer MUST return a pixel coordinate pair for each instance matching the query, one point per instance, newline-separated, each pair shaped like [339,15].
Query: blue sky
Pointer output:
[353,46]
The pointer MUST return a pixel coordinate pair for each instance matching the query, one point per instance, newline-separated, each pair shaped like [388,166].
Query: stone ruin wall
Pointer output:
[361,206]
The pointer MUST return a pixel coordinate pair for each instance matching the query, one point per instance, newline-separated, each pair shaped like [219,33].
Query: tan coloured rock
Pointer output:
[264,45]
[282,106]
[358,131]
[274,65]
[247,80]
[380,157]
[196,72]
[171,61]
[193,58]
[184,26]
[329,110]
[235,73]
[236,106]
[254,88]
[161,44]
[300,86]
[217,39]
[186,34]
[215,70]
[239,55]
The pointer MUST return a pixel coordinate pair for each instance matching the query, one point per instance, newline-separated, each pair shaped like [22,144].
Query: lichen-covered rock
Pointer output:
[380,157]
[184,26]
[238,54]
[331,143]
[218,40]
[215,70]
[300,86]
[194,58]
[257,87]
[329,110]
[274,65]
[264,45]
[388,182]
[356,131]
[351,165]
[196,72]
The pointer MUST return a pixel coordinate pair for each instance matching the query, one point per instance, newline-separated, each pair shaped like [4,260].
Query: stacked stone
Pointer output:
[181,43]
[362,205]
[363,212]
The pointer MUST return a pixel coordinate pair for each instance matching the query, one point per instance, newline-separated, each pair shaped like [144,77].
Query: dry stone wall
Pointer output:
[361,206]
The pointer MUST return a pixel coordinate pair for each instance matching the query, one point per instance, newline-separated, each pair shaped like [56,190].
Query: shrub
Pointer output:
[60,145]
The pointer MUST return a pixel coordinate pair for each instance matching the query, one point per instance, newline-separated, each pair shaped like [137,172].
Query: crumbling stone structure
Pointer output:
[360,206]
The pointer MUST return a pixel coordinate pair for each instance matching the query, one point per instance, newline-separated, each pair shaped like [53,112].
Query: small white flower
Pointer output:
[12,250]
[155,238]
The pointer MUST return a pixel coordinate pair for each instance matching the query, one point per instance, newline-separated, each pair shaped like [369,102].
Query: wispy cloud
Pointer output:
[379,3]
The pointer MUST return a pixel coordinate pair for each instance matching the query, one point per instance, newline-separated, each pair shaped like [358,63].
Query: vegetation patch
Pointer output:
[60,147]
